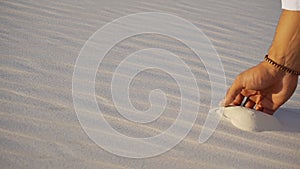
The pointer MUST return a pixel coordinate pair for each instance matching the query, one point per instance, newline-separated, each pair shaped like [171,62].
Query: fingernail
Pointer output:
[258,107]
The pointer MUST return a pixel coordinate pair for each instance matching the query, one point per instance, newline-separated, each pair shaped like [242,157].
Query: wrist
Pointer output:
[280,67]
[273,71]
[286,58]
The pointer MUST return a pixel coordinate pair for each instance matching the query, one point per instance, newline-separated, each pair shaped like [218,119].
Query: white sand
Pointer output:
[39,44]
[251,120]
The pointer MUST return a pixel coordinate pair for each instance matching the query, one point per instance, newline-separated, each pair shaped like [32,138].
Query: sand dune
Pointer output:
[41,40]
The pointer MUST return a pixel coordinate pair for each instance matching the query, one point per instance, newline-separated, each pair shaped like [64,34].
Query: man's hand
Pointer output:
[266,87]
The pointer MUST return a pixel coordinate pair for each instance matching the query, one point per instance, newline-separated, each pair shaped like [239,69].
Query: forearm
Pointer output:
[285,48]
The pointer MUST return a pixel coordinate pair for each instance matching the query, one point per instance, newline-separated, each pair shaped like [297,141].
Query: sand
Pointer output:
[41,40]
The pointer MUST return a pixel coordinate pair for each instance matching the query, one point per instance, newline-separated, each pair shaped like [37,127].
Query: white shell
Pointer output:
[251,120]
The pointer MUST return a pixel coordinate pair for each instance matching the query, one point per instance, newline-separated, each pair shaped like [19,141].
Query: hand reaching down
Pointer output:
[266,87]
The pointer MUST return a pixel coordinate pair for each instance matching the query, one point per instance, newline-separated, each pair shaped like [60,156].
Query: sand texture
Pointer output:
[40,41]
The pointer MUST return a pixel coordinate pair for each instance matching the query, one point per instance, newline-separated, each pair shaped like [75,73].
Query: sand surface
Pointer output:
[40,42]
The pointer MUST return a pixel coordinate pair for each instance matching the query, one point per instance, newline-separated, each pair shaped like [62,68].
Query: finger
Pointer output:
[268,104]
[258,107]
[238,100]
[232,92]
[249,104]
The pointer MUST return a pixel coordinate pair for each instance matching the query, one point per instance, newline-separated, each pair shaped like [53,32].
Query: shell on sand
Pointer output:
[251,120]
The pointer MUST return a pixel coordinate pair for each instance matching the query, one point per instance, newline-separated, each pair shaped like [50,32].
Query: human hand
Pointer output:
[266,87]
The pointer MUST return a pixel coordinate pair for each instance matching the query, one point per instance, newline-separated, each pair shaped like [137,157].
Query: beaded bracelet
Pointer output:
[281,67]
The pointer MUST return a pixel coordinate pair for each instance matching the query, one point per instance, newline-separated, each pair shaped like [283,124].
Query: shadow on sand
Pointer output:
[289,118]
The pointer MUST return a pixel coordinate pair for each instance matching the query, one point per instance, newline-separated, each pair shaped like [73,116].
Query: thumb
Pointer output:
[232,92]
